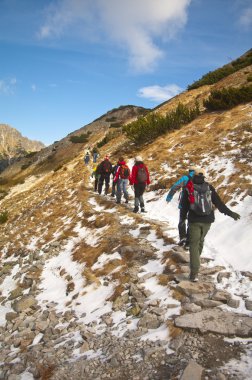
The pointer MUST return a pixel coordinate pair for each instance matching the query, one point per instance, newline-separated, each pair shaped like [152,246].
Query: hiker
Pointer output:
[122,180]
[114,169]
[139,179]
[105,169]
[198,203]
[180,185]
[96,176]
[95,155]
[87,158]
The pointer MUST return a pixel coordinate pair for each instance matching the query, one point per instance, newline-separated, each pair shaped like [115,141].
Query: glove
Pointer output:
[235,216]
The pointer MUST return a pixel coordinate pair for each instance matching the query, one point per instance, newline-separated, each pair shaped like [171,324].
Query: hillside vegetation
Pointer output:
[216,75]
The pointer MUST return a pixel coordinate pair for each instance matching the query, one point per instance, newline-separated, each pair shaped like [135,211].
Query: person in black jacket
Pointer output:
[200,220]
[105,169]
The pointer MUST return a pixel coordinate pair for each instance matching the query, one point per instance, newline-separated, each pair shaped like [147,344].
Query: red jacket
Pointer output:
[133,177]
[117,175]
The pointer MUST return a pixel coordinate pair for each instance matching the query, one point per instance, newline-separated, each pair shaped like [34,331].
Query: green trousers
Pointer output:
[197,233]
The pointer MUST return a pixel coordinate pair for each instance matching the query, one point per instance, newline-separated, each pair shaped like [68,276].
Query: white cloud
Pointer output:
[158,93]
[7,86]
[246,17]
[135,25]
[33,87]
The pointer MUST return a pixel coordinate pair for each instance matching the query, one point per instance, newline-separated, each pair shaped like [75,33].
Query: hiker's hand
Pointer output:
[235,216]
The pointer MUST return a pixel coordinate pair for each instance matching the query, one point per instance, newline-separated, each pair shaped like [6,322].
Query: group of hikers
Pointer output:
[196,202]
[87,156]
[122,177]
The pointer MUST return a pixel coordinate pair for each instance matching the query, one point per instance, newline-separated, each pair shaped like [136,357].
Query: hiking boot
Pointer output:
[182,242]
[127,201]
[118,202]
[186,246]
[194,278]
[135,209]
[142,209]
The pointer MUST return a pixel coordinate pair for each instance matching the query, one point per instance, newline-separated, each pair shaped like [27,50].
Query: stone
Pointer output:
[24,303]
[221,295]
[191,307]
[189,288]
[193,371]
[10,316]
[181,257]
[206,303]
[248,305]
[233,303]
[212,270]
[247,274]
[217,321]
[15,293]
[135,310]
[150,321]
[222,275]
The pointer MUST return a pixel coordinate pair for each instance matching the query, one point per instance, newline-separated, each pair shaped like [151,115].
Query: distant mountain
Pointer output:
[13,145]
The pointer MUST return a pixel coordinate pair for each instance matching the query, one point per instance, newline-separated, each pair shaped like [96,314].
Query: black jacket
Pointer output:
[194,218]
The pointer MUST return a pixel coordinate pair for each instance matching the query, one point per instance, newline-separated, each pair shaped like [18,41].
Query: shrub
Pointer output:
[115,125]
[146,129]
[109,136]
[111,119]
[80,138]
[30,154]
[3,193]
[228,98]
[25,166]
[216,75]
[3,217]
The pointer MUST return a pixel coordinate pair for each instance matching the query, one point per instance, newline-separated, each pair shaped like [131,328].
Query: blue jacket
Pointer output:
[180,184]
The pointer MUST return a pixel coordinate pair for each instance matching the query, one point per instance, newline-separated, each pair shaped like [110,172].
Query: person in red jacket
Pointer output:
[122,179]
[139,178]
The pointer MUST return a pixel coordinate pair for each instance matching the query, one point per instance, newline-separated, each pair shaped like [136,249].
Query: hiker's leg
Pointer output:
[141,191]
[113,191]
[194,243]
[118,190]
[107,178]
[137,201]
[182,224]
[204,230]
[100,183]
[124,188]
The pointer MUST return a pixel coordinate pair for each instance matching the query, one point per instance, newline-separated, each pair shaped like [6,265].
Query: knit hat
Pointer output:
[138,158]
[192,168]
[200,171]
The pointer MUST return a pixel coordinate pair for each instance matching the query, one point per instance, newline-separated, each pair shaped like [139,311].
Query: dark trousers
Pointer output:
[113,191]
[106,178]
[139,190]
[183,227]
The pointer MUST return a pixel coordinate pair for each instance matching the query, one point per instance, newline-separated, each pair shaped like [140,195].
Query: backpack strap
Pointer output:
[190,190]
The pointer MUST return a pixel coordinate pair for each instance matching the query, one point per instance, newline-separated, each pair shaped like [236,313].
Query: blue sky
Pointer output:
[65,63]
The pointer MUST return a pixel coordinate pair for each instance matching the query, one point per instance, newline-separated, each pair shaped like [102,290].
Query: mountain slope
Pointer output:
[14,145]
[90,290]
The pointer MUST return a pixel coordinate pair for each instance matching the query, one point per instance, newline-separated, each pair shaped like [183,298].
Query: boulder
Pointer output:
[193,371]
[217,321]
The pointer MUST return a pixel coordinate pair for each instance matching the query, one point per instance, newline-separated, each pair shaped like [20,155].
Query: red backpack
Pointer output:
[124,172]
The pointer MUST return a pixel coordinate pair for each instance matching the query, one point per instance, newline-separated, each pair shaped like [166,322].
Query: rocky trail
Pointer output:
[148,322]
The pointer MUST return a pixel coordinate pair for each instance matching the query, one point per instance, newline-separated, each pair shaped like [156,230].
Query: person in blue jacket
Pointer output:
[180,185]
